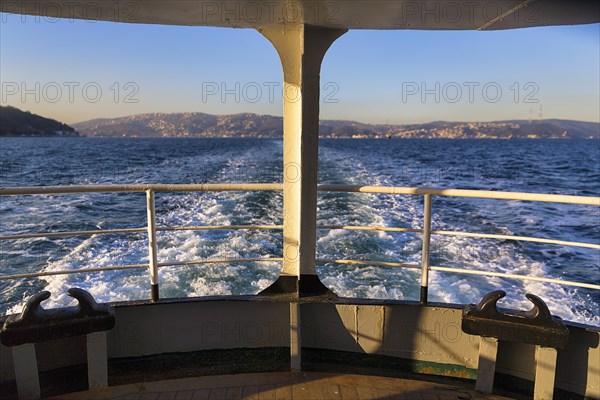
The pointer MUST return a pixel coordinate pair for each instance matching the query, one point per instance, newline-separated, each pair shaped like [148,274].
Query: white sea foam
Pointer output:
[339,209]
[483,255]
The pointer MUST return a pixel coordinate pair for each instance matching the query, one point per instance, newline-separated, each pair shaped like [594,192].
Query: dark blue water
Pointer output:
[553,166]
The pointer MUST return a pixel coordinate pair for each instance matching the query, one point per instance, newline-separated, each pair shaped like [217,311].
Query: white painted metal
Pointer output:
[522,238]
[369,228]
[295,338]
[545,370]
[463,271]
[204,187]
[479,194]
[152,245]
[279,227]
[429,333]
[301,49]
[427,193]
[132,266]
[426,238]
[97,360]
[365,262]
[26,371]
[218,227]
[73,233]
[211,187]
[136,230]
[72,271]
[514,276]
[467,234]
[488,349]
[218,261]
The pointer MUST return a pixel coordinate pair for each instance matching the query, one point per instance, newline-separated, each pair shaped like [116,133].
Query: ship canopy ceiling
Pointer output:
[345,14]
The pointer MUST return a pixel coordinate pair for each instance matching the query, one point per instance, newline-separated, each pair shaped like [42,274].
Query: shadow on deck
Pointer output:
[281,385]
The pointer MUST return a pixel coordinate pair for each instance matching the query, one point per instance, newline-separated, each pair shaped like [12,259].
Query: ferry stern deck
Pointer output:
[297,314]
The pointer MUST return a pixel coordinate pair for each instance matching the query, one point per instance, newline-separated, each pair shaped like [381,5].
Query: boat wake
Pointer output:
[260,161]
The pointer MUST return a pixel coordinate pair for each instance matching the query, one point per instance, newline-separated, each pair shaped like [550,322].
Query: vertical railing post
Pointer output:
[152,250]
[426,237]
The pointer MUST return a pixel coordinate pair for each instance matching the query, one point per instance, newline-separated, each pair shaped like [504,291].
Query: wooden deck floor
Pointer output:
[281,385]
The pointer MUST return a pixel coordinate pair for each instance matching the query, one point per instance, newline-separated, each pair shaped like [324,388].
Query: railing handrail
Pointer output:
[426,231]
[319,227]
[139,188]
[213,187]
[136,266]
[480,194]
[463,271]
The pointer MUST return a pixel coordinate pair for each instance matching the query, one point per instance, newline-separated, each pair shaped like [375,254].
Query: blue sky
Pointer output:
[78,70]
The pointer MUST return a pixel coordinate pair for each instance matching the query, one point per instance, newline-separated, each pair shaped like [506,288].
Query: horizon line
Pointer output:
[340,119]
[320,119]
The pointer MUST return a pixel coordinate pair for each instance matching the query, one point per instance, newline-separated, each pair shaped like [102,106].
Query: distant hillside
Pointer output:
[184,125]
[579,128]
[253,125]
[14,122]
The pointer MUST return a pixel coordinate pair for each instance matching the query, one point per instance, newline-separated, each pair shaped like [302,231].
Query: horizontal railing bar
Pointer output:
[377,263]
[217,261]
[141,188]
[515,276]
[218,227]
[369,228]
[467,234]
[136,230]
[362,262]
[278,227]
[481,194]
[197,228]
[464,271]
[522,238]
[132,266]
[72,271]
[74,233]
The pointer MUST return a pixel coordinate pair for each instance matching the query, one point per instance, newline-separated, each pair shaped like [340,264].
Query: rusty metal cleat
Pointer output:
[36,324]
[536,326]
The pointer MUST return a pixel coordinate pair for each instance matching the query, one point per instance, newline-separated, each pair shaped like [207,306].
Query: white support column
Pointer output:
[26,371]
[425,252]
[295,344]
[545,369]
[152,245]
[301,49]
[97,360]
[488,350]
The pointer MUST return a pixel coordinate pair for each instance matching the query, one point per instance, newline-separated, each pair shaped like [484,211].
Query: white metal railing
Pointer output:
[151,229]
[426,232]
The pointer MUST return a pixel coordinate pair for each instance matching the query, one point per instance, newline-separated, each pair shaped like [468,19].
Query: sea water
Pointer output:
[539,166]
